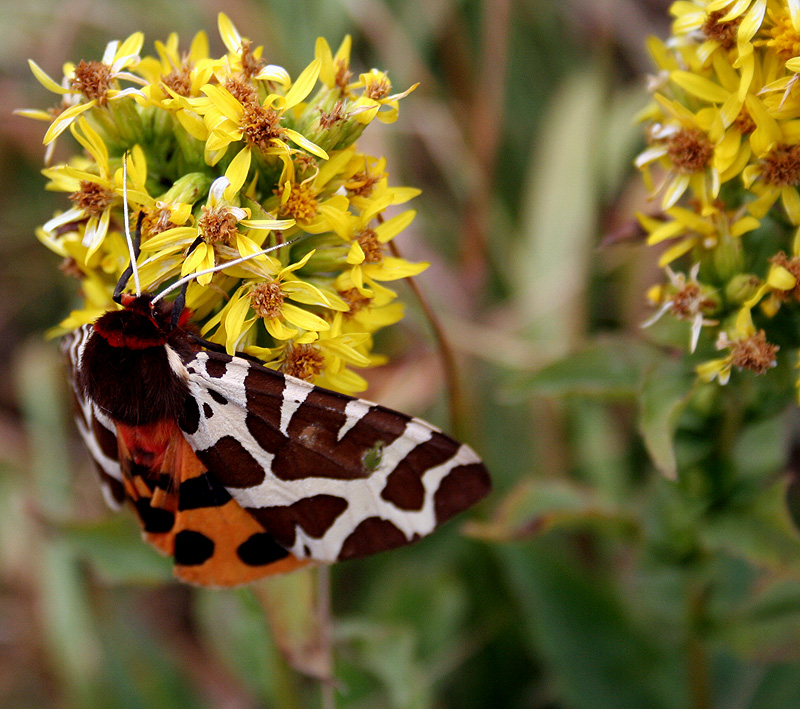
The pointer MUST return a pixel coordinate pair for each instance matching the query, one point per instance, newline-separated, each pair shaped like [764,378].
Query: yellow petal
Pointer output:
[302,318]
[392,227]
[791,203]
[45,80]
[322,51]
[278,330]
[700,86]
[780,279]
[744,225]
[229,34]
[355,255]
[237,173]
[676,251]
[677,186]
[233,321]
[304,143]
[195,259]
[64,120]
[302,87]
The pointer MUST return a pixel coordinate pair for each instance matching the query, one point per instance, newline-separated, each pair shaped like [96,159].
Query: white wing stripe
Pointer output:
[354,411]
[295,392]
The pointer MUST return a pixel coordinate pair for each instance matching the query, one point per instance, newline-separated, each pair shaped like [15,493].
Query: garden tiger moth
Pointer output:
[238,471]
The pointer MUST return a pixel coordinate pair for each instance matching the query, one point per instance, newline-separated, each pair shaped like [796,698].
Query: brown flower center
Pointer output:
[689,150]
[744,122]
[372,248]
[217,225]
[343,76]
[157,220]
[722,32]
[689,301]
[260,125]
[267,299]
[251,64]
[304,362]
[331,118]
[362,183]
[782,166]
[179,80]
[70,267]
[93,80]
[92,198]
[378,89]
[243,91]
[754,353]
[355,300]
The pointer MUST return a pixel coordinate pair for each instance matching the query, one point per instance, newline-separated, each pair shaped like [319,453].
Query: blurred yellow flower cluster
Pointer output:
[723,163]
[227,156]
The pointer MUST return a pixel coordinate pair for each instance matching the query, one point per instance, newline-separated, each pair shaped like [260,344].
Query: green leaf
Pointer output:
[534,507]
[389,653]
[760,532]
[291,606]
[665,391]
[116,551]
[595,652]
[611,369]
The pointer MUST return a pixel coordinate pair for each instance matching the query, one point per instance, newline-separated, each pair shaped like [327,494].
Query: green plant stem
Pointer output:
[325,624]
[699,681]
[454,398]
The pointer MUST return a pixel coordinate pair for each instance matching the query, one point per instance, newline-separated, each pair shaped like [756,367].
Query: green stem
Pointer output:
[325,624]
[446,355]
[699,679]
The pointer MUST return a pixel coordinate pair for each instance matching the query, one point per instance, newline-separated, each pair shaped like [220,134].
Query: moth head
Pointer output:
[141,323]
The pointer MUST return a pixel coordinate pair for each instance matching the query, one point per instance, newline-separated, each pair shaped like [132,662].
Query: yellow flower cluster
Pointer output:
[225,157]
[723,161]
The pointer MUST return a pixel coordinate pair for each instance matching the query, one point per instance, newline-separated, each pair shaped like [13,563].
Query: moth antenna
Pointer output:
[192,276]
[131,249]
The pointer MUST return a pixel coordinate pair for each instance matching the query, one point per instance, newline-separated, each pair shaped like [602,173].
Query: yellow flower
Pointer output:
[367,184]
[375,96]
[681,144]
[694,18]
[96,82]
[780,284]
[217,228]
[233,118]
[310,202]
[94,194]
[264,297]
[175,73]
[687,299]
[366,257]
[748,349]
[320,357]
[690,230]
[335,70]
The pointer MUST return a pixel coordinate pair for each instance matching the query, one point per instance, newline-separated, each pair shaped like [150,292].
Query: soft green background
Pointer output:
[594,581]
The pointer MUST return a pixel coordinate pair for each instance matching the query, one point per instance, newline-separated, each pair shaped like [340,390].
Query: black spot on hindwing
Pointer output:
[192,548]
[202,491]
[260,549]
[154,519]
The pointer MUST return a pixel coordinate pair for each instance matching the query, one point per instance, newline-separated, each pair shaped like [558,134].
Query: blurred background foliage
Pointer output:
[588,578]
